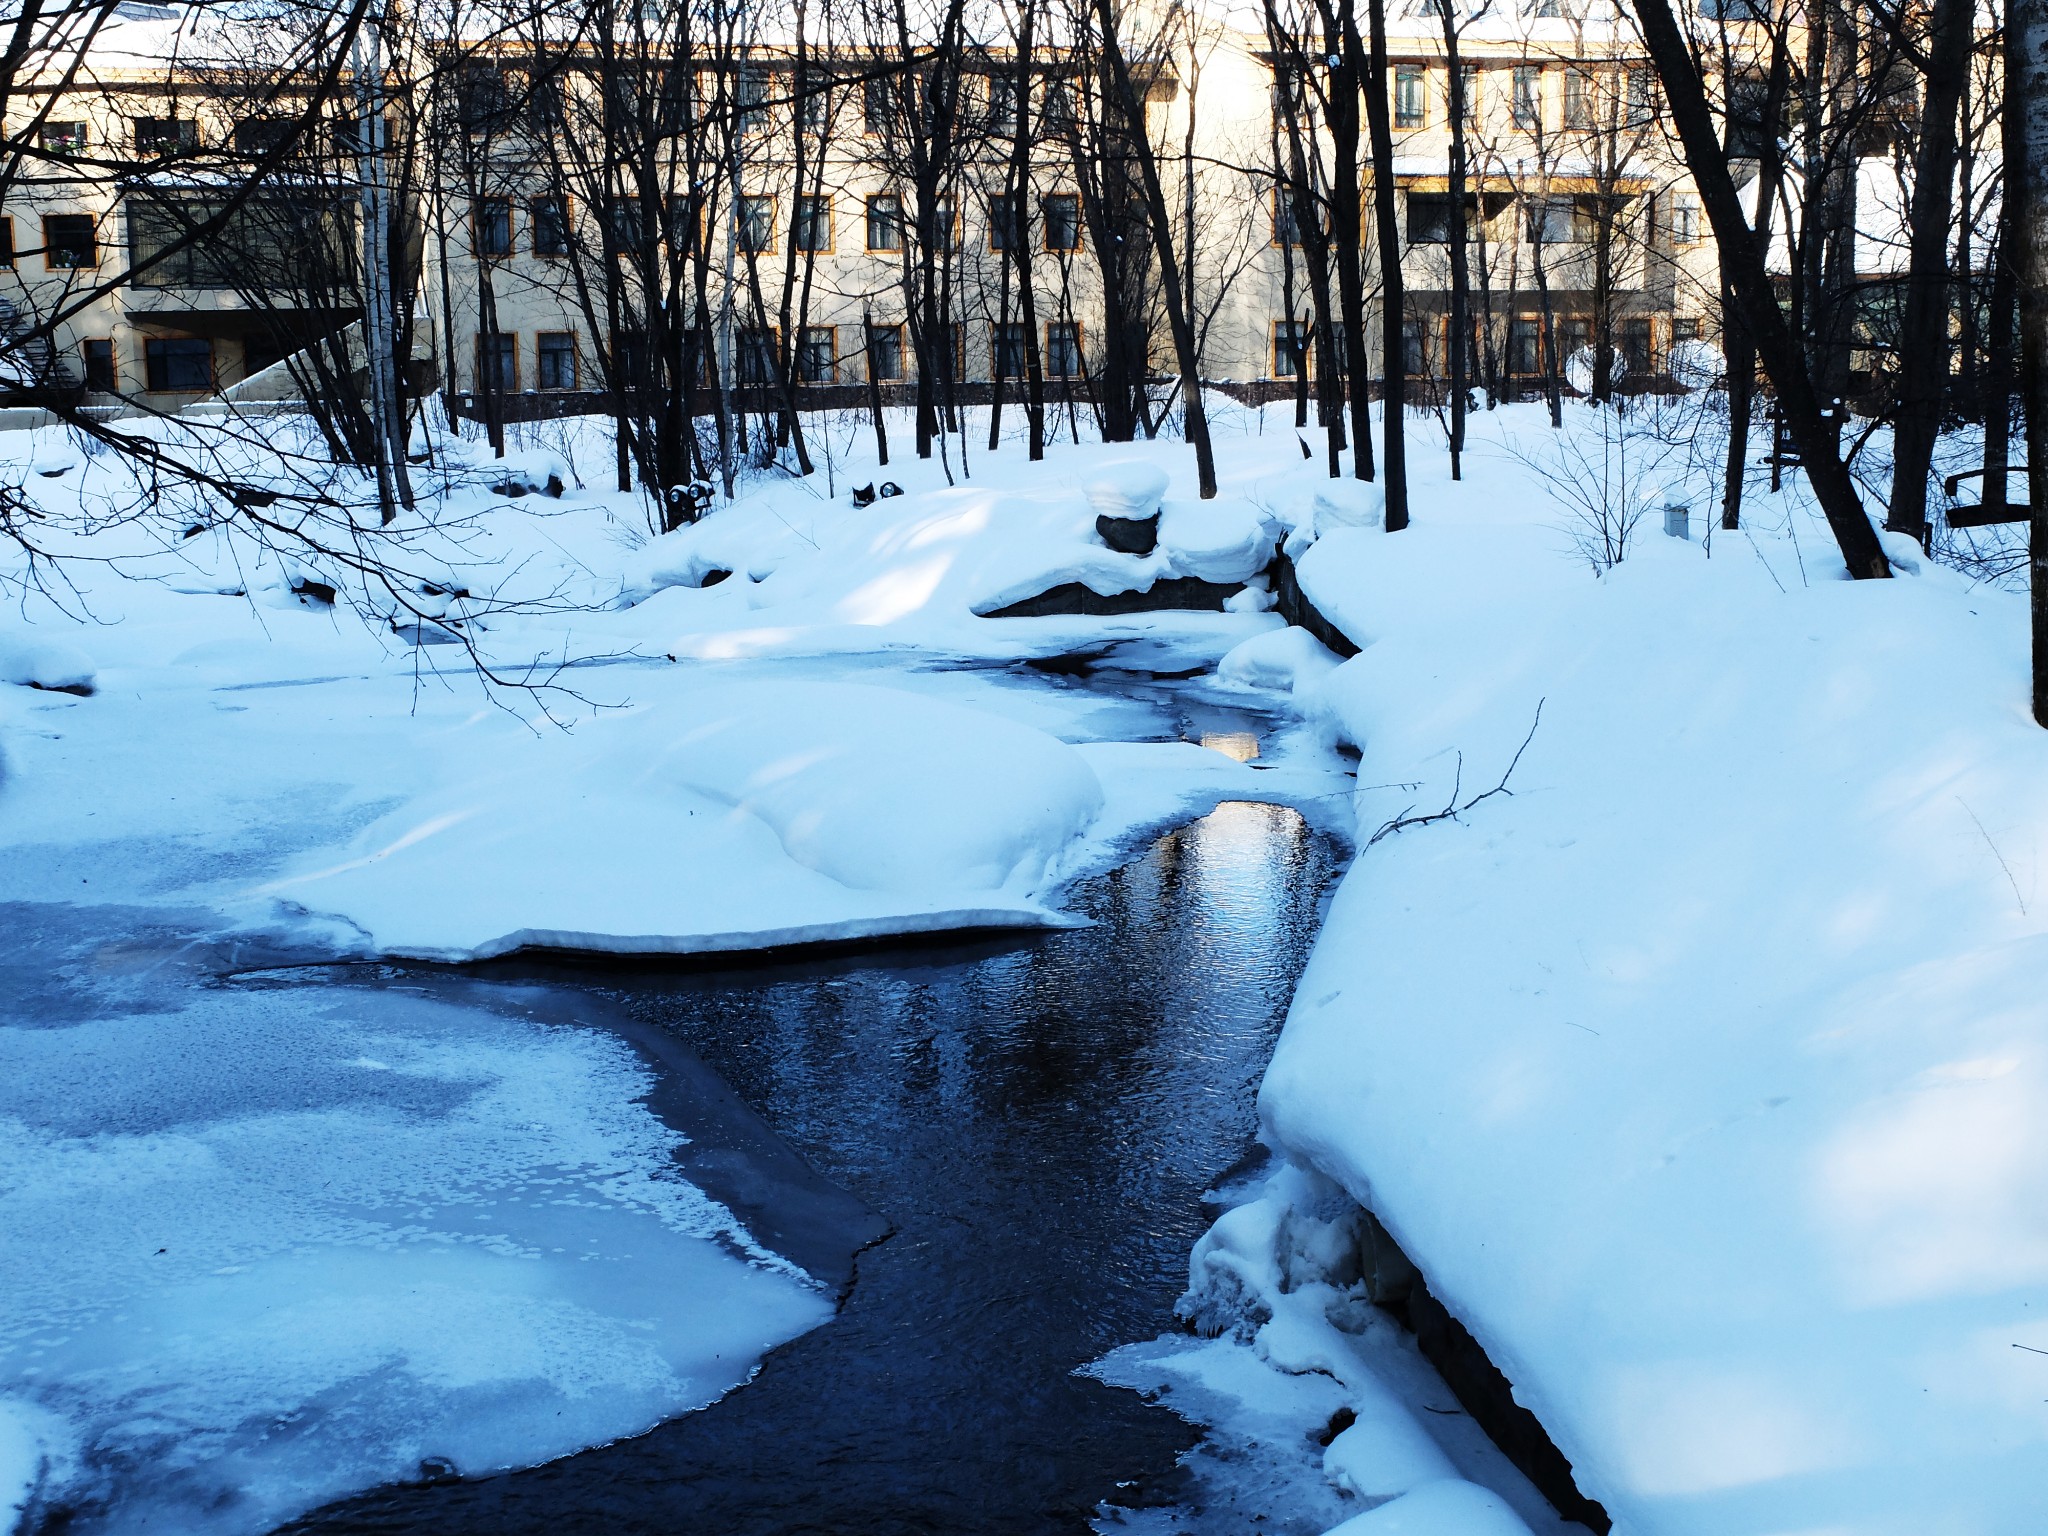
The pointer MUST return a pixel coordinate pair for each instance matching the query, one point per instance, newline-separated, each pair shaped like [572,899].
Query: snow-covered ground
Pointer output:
[1700,1070]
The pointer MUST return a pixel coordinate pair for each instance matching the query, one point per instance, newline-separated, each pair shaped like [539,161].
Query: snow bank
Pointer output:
[274,1246]
[1706,1073]
[731,816]
[1289,660]
[44,661]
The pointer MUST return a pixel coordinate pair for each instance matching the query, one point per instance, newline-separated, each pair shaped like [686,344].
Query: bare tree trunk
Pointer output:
[1742,266]
[2027,38]
[1388,230]
[1923,329]
[1461,279]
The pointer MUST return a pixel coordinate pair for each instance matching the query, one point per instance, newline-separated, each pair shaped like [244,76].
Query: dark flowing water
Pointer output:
[1037,1121]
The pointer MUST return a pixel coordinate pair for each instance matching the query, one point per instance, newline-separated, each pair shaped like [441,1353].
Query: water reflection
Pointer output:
[1039,1120]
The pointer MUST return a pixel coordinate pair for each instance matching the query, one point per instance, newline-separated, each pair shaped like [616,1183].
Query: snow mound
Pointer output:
[1288,660]
[731,816]
[888,791]
[1128,490]
[36,661]
[1450,1508]
[1350,504]
[1222,540]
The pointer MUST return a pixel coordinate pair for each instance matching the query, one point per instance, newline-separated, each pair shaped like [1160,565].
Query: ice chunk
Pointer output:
[251,1274]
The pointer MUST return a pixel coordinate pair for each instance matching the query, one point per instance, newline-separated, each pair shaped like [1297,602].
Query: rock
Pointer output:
[1128,535]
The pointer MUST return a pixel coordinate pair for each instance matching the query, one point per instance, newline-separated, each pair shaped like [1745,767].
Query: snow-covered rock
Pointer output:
[1349,504]
[1127,490]
[1289,660]
[33,660]
[1225,540]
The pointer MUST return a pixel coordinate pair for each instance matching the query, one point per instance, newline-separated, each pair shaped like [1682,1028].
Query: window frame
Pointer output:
[744,347]
[742,219]
[1045,205]
[868,231]
[1411,115]
[51,143]
[540,353]
[163,355]
[868,335]
[509,341]
[477,210]
[1525,102]
[535,223]
[1079,370]
[51,245]
[799,227]
[1274,350]
[113,359]
[803,354]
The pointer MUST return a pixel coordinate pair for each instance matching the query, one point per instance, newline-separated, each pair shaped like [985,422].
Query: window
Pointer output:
[1528,96]
[752,89]
[178,363]
[1058,107]
[945,225]
[100,373]
[269,240]
[1063,222]
[1749,114]
[1550,220]
[814,107]
[885,353]
[1009,351]
[1640,94]
[1429,218]
[257,136]
[817,355]
[1685,219]
[1002,104]
[1006,222]
[1587,220]
[1414,351]
[885,222]
[1290,348]
[62,138]
[1063,350]
[548,217]
[757,223]
[493,219]
[497,363]
[1286,230]
[1525,347]
[1578,98]
[6,242]
[1685,328]
[166,135]
[756,356]
[555,360]
[878,106]
[813,230]
[622,216]
[1636,354]
[483,101]
[1409,111]
[69,242]
[1475,94]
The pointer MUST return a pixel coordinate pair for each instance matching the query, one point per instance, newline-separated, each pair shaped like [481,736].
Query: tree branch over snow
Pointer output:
[1452,809]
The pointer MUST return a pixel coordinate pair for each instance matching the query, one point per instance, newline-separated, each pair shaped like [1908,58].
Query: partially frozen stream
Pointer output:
[1038,1120]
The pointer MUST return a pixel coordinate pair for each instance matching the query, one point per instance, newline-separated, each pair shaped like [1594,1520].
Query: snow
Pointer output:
[43,661]
[1704,1072]
[1701,1069]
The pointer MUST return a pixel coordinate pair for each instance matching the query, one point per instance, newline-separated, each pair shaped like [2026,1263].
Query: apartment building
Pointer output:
[815,249]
